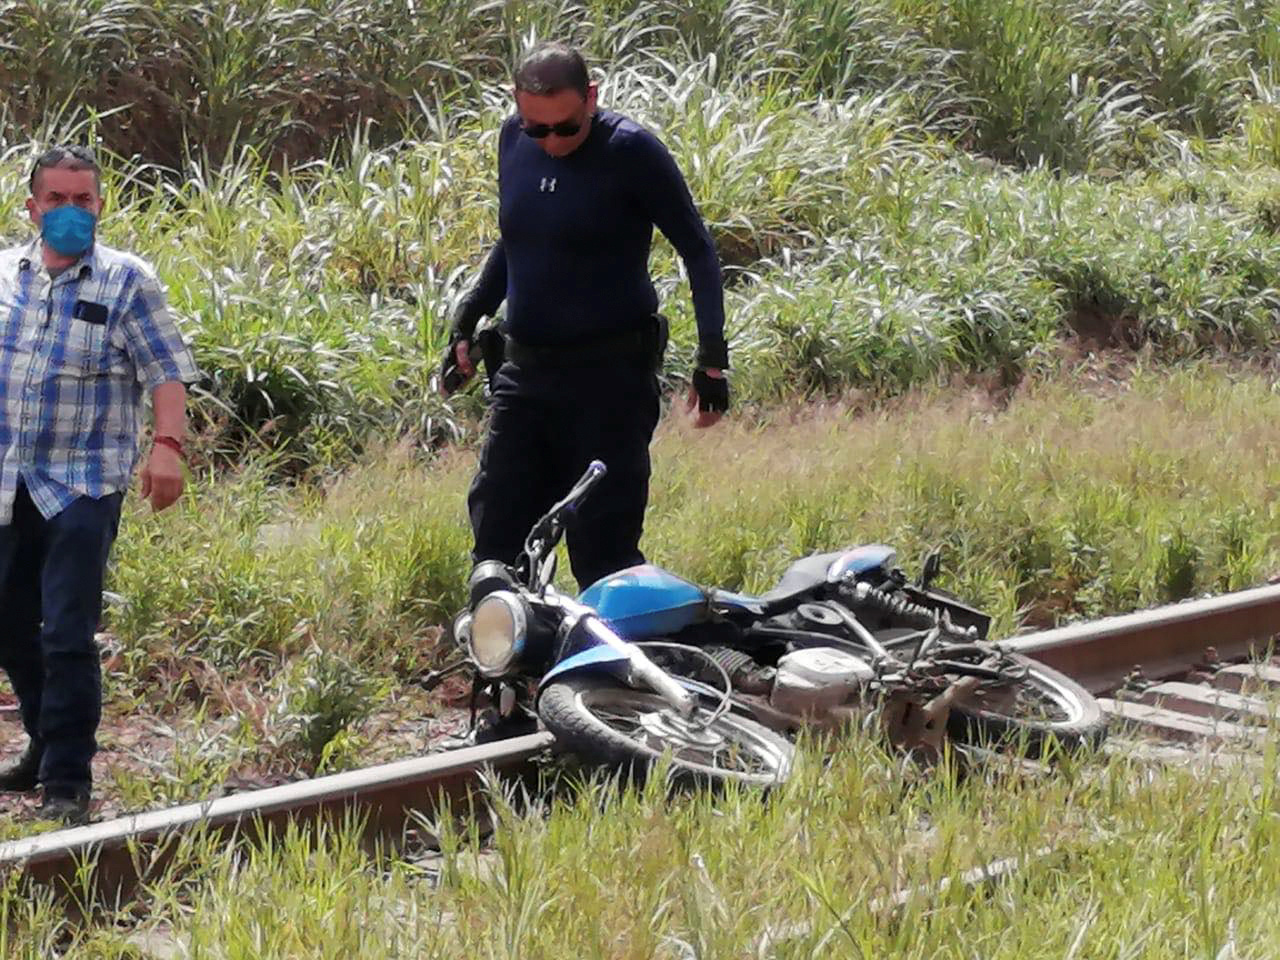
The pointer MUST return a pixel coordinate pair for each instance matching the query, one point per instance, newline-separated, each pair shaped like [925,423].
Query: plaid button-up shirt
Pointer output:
[76,353]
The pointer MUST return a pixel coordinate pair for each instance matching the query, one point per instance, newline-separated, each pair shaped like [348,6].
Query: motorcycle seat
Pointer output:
[805,575]
[802,577]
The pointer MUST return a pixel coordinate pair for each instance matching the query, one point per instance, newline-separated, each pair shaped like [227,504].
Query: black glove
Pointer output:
[713,392]
[451,375]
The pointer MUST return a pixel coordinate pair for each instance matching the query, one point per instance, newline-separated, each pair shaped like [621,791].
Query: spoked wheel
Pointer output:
[633,728]
[1046,705]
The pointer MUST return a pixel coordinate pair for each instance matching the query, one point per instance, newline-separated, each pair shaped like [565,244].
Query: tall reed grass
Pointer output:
[1027,78]
[315,183]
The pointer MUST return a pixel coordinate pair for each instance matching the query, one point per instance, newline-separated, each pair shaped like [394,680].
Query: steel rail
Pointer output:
[1164,641]
[126,851]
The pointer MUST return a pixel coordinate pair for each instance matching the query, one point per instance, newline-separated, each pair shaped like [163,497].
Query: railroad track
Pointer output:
[127,850]
[1201,641]
[1186,672]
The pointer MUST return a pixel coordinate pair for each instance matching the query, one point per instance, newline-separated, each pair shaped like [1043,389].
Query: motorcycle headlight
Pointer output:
[499,628]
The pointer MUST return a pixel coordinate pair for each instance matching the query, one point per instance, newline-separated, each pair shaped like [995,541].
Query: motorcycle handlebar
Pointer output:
[550,527]
[595,472]
[642,668]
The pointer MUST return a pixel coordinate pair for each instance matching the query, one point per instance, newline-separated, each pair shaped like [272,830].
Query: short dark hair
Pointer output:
[551,67]
[67,157]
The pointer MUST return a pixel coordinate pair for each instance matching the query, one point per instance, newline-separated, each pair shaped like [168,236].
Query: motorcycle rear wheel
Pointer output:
[618,725]
[1044,707]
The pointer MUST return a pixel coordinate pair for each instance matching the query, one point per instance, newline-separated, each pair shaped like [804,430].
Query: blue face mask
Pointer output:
[68,229]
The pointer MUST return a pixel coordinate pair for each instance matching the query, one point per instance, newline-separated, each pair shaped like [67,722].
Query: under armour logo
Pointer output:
[548,185]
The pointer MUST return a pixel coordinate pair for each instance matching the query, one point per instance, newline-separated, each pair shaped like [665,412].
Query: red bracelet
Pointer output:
[173,443]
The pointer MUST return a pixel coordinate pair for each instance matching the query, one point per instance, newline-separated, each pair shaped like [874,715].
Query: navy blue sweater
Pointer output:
[573,258]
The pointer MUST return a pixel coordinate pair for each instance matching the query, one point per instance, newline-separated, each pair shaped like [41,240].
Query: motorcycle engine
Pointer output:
[816,681]
[817,618]
[744,672]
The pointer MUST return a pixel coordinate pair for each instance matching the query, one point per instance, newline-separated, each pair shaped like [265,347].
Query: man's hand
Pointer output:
[708,397]
[457,369]
[162,477]
[463,352]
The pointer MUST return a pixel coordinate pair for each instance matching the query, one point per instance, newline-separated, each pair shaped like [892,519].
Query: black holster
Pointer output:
[661,337]
[493,351]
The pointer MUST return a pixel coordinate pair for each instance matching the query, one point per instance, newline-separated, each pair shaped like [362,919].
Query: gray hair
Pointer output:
[67,157]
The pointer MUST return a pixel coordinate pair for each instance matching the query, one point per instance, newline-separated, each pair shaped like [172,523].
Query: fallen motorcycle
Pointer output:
[538,653]
[644,661]
[846,634]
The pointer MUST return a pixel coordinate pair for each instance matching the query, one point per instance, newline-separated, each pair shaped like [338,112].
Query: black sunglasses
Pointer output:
[565,128]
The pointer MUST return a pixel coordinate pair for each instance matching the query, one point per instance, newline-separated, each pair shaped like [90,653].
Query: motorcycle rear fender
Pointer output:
[962,614]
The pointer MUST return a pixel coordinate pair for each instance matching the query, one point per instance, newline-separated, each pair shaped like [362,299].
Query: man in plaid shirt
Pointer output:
[84,333]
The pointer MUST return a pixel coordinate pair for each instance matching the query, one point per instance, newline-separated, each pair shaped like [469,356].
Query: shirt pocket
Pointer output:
[85,350]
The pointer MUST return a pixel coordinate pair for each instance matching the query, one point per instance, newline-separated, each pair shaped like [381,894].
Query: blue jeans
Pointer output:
[51,574]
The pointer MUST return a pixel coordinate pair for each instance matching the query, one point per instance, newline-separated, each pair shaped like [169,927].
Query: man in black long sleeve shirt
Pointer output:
[580,191]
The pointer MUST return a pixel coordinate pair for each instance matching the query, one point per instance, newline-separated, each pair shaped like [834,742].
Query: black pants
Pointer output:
[51,574]
[548,423]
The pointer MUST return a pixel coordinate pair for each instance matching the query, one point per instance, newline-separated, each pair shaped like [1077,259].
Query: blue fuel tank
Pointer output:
[646,601]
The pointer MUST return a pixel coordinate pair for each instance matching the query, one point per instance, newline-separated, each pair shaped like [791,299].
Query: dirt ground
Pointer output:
[137,746]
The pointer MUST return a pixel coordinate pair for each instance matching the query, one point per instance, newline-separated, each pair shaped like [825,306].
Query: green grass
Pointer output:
[285,612]
[926,211]
[1026,79]
[1106,872]
[873,258]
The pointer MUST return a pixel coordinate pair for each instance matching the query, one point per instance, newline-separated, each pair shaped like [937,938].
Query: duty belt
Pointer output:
[640,343]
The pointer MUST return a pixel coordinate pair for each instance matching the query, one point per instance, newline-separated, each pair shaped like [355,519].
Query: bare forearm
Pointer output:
[169,408]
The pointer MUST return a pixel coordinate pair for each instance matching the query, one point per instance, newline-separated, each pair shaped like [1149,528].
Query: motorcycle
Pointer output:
[846,634]
[538,653]
[843,635]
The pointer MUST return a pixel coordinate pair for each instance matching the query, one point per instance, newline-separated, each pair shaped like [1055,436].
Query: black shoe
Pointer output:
[71,806]
[23,774]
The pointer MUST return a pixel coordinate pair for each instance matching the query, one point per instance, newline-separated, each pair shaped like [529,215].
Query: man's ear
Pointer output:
[33,211]
[592,92]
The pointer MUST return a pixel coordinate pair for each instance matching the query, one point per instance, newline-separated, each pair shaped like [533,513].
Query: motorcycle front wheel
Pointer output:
[1044,706]
[612,724]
